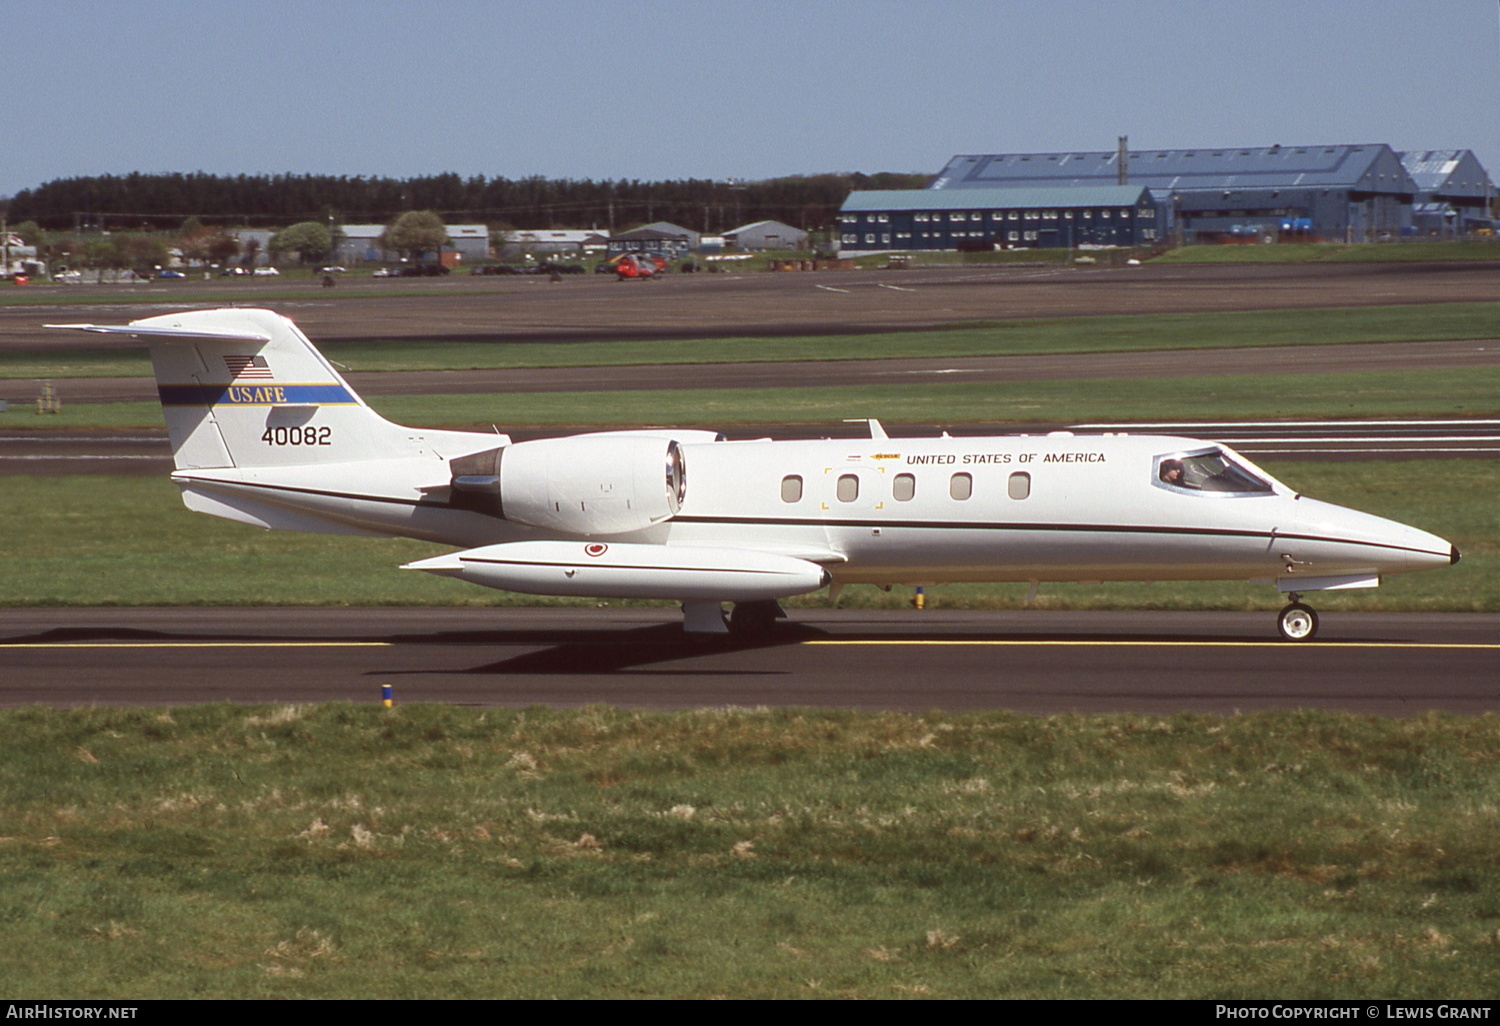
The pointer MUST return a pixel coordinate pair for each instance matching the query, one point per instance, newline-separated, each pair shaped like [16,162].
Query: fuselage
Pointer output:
[921,510]
[265,431]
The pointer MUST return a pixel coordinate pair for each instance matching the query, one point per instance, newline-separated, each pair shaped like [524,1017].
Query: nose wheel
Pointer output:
[1297,622]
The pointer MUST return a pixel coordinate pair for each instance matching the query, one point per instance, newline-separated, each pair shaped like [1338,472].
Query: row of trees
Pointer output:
[160,200]
[195,242]
[412,233]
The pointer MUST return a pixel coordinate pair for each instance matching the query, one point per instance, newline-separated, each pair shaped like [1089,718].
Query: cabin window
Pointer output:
[1209,471]
[791,488]
[848,488]
[904,488]
[960,486]
[1019,485]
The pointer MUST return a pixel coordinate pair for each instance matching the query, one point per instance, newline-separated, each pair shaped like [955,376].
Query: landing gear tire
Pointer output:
[748,619]
[1297,622]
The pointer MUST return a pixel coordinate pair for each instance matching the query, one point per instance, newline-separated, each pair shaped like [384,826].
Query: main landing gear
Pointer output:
[1297,622]
[747,620]
[751,619]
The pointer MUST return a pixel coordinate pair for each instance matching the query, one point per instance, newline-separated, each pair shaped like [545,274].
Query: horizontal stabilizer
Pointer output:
[156,332]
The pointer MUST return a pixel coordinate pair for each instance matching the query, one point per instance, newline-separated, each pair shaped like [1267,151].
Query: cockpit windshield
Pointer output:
[1210,471]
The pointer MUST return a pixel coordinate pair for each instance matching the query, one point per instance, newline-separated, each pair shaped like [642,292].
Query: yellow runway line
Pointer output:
[1287,646]
[197,644]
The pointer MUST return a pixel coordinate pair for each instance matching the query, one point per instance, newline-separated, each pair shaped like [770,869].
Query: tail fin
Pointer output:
[245,388]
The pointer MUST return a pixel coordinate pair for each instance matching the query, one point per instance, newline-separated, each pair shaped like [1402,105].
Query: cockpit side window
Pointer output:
[1209,471]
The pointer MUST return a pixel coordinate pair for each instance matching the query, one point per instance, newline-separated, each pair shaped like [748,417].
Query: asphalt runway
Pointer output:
[1030,661]
[596,307]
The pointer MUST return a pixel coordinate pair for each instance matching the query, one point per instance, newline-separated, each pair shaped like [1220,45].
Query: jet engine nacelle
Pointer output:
[584,485]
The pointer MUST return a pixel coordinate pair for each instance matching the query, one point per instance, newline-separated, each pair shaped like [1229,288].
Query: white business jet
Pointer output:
[264,431]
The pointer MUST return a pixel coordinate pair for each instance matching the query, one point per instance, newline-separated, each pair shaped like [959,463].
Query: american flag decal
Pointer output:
[248,367]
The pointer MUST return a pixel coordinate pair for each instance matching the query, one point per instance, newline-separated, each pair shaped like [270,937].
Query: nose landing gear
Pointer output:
[1297,622]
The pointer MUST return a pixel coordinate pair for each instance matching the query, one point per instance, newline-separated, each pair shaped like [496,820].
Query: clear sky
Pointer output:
[714,89]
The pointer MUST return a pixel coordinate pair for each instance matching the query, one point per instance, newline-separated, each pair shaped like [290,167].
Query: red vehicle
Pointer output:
[638,265]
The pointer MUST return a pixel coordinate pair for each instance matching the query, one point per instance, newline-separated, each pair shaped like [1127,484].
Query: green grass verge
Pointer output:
[343,851]
[129,541]
[1331,326]
[1333,252]
[1473,392]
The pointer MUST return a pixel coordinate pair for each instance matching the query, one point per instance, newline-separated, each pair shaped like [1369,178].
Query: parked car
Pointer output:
[423,271]
[169,273]
[331,270]
[234,272]
[385,272]
[68,276]
[266,272]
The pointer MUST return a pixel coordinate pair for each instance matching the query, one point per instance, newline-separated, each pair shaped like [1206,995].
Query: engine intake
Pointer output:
[584,485]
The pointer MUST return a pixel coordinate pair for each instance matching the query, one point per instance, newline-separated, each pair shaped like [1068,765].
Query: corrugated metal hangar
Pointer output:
[1343,193]
[1347,193]
[1453,191]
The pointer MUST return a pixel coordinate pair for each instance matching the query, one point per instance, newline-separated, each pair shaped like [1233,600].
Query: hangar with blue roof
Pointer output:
[1046,217]
[1347,192]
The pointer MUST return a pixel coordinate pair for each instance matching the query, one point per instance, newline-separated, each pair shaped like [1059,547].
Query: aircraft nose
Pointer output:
[1349,537]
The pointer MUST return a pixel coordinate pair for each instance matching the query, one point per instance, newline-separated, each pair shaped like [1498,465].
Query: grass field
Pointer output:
[350,851]
[1333,326]
[1474,392]
[129,541]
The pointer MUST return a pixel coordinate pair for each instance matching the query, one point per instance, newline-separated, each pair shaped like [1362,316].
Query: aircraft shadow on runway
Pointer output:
[645,649]
[642,650]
